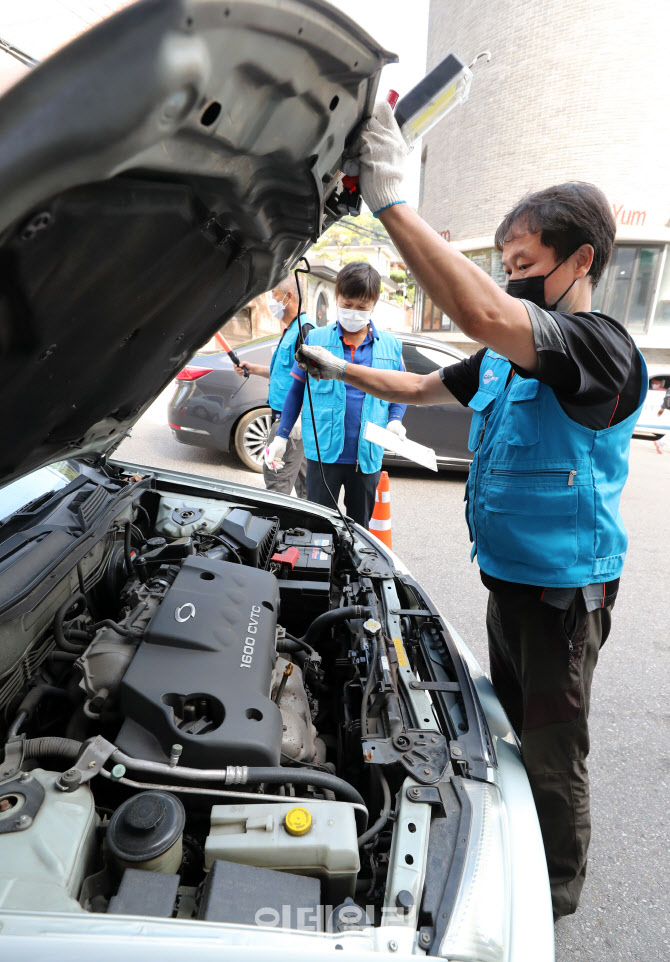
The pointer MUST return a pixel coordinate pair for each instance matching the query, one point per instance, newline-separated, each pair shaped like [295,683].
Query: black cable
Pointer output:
[140,507]
[375,829]
[296,761]
[301,338]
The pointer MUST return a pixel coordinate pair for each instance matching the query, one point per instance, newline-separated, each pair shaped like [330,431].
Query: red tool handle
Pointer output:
[227,348]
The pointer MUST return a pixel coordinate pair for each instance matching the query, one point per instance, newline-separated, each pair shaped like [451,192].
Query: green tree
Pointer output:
[351,232]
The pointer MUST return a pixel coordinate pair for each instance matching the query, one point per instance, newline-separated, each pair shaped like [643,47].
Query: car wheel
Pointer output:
[251,437]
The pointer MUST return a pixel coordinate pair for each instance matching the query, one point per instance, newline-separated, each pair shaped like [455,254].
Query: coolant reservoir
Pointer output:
[180,517]
[307,838]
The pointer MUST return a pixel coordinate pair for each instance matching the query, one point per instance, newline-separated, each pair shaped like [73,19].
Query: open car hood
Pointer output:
[155,175]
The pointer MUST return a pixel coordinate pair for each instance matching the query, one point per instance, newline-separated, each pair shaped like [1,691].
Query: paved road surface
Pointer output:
[625,912]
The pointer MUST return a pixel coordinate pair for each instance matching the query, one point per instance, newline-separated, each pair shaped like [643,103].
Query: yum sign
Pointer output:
[631,218]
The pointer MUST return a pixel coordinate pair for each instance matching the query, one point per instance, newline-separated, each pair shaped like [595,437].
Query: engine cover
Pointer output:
[202,675]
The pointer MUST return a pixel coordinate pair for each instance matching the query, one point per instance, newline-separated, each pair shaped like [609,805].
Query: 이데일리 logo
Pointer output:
[184,612]
[489,376]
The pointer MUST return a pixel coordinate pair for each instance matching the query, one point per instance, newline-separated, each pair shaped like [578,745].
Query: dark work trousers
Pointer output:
[359,488]
[293,472]
[542,661]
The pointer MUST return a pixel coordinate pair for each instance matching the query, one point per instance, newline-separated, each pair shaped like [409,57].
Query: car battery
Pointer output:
[303,562]
[314,558]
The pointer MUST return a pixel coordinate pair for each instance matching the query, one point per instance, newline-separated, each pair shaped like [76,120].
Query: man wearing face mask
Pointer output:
[289,471]
[341,411]
[555,396]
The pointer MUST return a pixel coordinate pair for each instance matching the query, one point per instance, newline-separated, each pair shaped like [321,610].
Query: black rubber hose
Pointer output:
[36,694]
[291,645]
[115,626]
[59,625]
[330,618]
[296,776]
[376,828]
[16,725]
[53,747]
[67,656]
[30,703]
[282,776]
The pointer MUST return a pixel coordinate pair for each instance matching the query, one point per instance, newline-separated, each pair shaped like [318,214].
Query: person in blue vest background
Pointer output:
[555,395]
[341,410]
[283,304]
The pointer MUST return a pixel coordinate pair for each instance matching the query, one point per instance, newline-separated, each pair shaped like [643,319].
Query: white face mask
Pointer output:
[353,321]
[276,308]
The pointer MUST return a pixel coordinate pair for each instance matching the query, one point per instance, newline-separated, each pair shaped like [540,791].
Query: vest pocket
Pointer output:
[523,419]
[324,428]
[531,517]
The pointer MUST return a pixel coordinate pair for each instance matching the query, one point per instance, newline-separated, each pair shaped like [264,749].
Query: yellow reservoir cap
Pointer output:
[298,821]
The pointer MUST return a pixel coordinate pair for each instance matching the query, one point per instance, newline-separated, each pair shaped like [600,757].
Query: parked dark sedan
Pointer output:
[212,407]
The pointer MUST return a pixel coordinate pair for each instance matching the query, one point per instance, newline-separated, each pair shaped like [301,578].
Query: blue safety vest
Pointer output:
[329,400]
[543,491]
[282,362]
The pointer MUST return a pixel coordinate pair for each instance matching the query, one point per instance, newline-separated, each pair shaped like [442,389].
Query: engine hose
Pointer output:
[249,776]
[16,725]
[360,811]
[30,703]
[115,626]
[52,746]
[59,625]
[35,696]
[70,749]
[330,618]
[376,828]
[291,645]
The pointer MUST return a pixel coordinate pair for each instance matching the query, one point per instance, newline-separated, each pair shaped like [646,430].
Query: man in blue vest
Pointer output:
[283,304]
[555,396]
[341,411]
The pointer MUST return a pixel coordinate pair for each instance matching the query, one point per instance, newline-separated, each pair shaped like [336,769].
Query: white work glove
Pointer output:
[382,154]
[295,433]
[274,454]
[397,427]
[320,363]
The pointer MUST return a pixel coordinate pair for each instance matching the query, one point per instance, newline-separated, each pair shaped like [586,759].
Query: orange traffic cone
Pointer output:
[380,522]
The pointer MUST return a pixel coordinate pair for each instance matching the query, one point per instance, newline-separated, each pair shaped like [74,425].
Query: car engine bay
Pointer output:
[199,692]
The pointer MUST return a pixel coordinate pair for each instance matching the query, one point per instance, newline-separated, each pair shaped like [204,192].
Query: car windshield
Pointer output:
[24,491]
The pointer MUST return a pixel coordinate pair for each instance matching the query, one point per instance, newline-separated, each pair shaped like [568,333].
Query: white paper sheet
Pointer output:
[411,450]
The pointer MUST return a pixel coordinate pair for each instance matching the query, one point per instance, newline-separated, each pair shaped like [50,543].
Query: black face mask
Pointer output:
[532,288]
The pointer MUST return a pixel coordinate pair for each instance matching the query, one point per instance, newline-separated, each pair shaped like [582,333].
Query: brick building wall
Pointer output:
[575,91]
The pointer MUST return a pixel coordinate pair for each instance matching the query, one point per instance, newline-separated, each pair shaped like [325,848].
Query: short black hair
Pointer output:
[566,216]
[359,279]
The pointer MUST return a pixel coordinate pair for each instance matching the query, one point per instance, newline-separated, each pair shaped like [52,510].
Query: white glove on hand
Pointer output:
[320,363]
[397,427]
[274,454]
[382,154]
